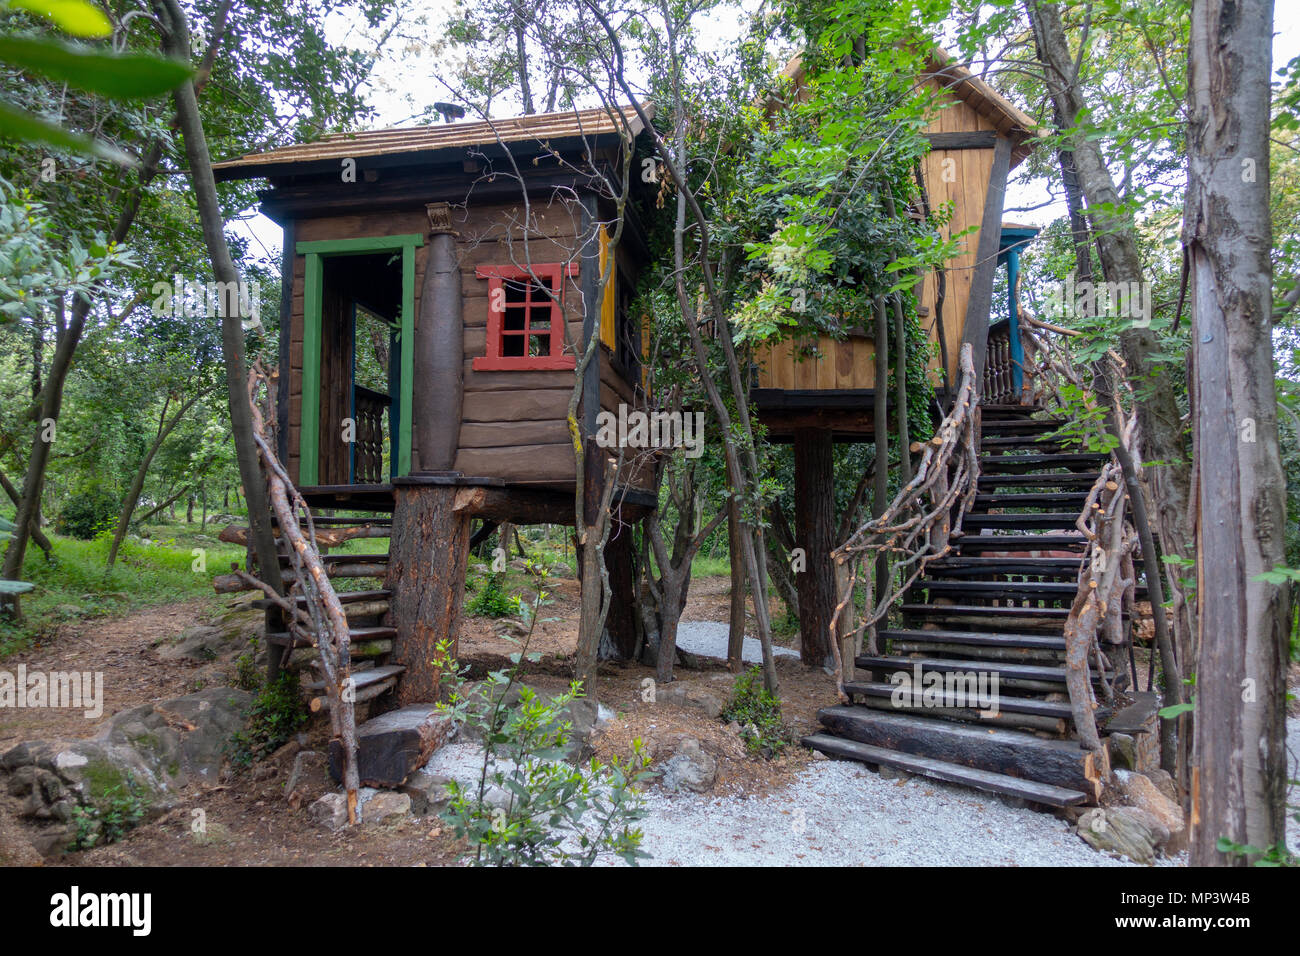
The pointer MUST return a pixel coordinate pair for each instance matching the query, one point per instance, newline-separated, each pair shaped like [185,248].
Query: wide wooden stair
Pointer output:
[996,606]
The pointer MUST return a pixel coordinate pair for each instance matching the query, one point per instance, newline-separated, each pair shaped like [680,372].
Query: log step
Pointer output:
[1034,499]
[1014,753]
[1048,520]
[1073,479]
[328,559]
[1044,793]
[1073,541]
[1005,590]
[995,411]
[962,567]
[363,679]
[1004,669]
[1021,426]
[1077,461]
[356,635]
[1043,642]
[1034,618]
[1056,710]
[1029,443]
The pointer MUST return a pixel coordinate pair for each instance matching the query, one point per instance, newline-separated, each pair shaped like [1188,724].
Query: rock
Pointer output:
[391,746]
[692,696]
[308,778]
[890,773]
[429,792]
[213,834]
[183,740]
[690,767]
[1120,830]
[581,713]
[384,806]
[1164,782]
[1123,751]
[330,811]
[1140,792]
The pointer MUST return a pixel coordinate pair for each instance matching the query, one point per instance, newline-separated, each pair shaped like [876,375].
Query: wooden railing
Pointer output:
[917,525]
[368,448]
[999,378]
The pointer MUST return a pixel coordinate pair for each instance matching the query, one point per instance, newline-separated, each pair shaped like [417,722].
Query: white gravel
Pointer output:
[709,639]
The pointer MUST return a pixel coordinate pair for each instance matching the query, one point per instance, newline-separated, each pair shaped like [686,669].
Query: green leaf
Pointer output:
[119,76]
[19,125]
[1174,710]
[78,17]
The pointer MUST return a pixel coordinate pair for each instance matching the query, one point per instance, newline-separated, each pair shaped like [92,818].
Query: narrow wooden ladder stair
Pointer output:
[996,606]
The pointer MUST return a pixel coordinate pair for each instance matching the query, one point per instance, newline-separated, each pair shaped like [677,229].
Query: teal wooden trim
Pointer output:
[406,399]
[1013,324]
[309,433]
[353,247]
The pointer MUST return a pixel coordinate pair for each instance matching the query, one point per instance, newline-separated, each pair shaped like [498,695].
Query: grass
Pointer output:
[75,585]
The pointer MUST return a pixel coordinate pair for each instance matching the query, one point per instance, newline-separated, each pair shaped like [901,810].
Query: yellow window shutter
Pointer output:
[607,303]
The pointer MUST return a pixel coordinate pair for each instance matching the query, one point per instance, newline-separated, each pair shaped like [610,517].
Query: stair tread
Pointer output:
[354,634]
[1052,520]
[1083,479]
[365,678]
[1059,612]
[996,463]
[345,558]
[1029,499]
[1019,542]
[352,597]
[1041,672]
[975,638]
[1018,705]
[986,780]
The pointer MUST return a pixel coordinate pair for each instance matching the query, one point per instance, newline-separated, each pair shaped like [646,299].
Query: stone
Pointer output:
[1141,793]
[691,696]
[385,806]
[1120,830]
[308,777]
[690,767]
[429,792]
[330,811]
[582,714]
[1164,782]
[1123,751]
[183,739]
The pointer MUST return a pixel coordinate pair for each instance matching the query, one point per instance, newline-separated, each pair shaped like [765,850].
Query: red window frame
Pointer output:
[553,274]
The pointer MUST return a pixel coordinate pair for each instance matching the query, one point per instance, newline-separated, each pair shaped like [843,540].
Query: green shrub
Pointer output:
[87,514]
[492,601]
[276,713]
[113,814]
[759,714]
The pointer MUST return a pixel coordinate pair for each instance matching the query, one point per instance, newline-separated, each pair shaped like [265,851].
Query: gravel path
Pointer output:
[709,639]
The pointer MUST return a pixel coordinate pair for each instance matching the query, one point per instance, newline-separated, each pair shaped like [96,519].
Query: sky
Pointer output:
[403,84]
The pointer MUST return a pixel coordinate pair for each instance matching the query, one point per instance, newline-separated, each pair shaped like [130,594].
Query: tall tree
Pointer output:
[1239,754]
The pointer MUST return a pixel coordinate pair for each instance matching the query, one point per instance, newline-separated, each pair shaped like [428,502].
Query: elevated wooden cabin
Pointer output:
[977,137]
[431,275]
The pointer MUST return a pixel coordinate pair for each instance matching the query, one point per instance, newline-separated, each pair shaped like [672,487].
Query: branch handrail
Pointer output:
[918,524]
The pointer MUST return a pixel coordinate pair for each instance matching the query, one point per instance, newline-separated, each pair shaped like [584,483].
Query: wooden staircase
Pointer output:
[996,606]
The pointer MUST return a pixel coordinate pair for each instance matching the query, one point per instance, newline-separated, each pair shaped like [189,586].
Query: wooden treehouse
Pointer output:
[439,284]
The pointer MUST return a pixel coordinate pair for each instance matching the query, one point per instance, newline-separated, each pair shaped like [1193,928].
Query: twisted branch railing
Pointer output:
[917,526]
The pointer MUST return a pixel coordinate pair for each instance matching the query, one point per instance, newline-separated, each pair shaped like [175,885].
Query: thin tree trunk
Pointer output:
[1239,753]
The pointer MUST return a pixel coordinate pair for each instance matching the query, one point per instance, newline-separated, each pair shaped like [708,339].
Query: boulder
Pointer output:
[184,739]
[1141,793]
[330,811]
[691,696]
[383,806]
[1120,830]
[1123,751]
[690,767]
[429,792]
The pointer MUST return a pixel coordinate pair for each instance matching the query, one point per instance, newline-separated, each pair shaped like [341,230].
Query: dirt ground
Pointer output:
[248,820]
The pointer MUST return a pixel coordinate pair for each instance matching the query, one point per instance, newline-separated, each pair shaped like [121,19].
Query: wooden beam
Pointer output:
[976,326]
[979,139]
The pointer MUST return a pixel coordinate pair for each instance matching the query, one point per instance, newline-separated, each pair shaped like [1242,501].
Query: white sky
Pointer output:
[403,83]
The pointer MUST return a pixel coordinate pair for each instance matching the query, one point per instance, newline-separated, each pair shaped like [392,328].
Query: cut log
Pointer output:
[393,745]
[1016,754]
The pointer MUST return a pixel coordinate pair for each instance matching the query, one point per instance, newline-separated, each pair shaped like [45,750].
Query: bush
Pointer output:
[110,817]
[87,514]
[492,601]
[276,713]
[759,714]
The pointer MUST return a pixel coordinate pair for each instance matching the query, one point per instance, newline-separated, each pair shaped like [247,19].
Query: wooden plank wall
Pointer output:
[513,422]
[957,175]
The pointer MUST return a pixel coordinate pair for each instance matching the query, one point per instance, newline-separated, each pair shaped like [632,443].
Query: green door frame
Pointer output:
[313,291]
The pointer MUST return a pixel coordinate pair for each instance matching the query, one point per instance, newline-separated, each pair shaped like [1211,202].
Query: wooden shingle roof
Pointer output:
[395,141]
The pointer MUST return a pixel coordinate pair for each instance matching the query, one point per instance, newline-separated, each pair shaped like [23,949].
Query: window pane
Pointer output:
[539,345]
[512,346]
[514,320]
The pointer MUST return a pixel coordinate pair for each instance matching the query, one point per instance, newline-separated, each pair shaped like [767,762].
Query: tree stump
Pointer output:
[426,574]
